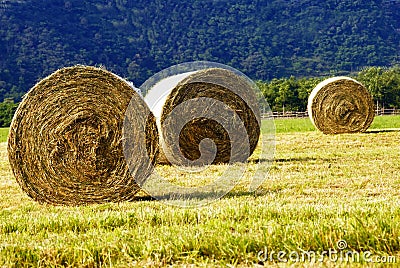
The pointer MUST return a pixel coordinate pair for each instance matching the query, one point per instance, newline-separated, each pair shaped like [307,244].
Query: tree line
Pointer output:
[7,110]
[291,94]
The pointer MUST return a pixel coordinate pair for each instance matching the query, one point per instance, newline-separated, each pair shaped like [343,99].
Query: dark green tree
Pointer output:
[7,110]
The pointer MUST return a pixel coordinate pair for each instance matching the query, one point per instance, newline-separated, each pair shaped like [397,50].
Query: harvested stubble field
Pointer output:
[321,189]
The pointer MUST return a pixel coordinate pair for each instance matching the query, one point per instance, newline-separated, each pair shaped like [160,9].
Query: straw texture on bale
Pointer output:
[65,141]
[341,105]
[223,86]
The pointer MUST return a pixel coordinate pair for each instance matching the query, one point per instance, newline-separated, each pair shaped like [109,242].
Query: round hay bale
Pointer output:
[204,137]
[341,105]
[65,140]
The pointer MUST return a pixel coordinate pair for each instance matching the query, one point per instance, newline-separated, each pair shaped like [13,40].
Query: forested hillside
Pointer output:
[265,39]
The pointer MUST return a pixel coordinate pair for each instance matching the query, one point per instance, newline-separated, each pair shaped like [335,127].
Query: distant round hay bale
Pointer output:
[341,105]
[195,92]
[65,140]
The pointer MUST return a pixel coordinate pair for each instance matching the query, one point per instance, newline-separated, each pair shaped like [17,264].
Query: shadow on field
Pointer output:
[182,198]
[208,198]
[235,194]
[372,131]
[143,198]
[203,196]
[298,159]
[287,160]
[261,161]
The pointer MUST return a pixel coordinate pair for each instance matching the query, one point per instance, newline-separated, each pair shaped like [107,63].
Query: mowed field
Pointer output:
[327,195]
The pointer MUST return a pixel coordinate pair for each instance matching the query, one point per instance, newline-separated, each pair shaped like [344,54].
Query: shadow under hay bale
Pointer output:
[205,116]
[65,140]
[341,105]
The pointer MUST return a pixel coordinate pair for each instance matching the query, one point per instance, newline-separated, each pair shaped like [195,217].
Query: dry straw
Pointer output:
[65,141]
[341,105]
[219,85]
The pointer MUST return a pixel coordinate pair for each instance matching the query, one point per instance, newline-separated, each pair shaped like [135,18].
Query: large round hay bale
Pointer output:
[341,105]
[196,109]
[65,140]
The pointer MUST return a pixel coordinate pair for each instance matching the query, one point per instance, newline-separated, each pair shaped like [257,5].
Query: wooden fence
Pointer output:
[383,111]
[291,114]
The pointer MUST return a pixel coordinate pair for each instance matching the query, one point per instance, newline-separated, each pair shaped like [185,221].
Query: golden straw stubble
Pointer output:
[341,105]
[65,140]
